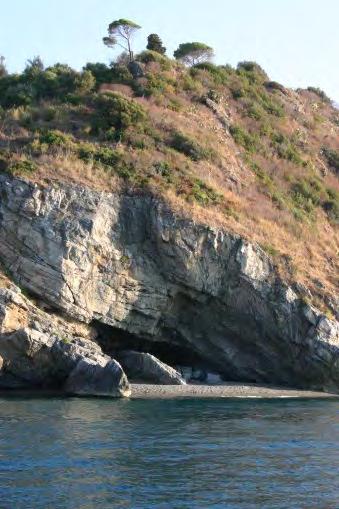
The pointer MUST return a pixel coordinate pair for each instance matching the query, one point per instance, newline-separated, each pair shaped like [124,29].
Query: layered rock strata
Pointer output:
[131,263]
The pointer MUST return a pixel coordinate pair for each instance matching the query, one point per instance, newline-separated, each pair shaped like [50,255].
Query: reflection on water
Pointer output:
[94,453]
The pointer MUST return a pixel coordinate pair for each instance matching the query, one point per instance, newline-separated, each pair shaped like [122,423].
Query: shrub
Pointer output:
[104,155]
[57,82]
[332,157]
[270,250]
[331,205]
[163,169]
[238,93]
[174,104]
[290,153]
[48,114]
[14,92]
[254,111]
[121,74]
[219,74]
[268,186]
[109,158]
[309,192]
[191,148]
[113,110]
[101,72]
[250,142]
[13,166]
[243,85]
[270,105]
[320,93]
[148,56]
[154,84]
[60,80]
[56,138]
[203,193]
[84,82]
[22,167]
[126,171]
[189,84]
[254,70]
[285,149]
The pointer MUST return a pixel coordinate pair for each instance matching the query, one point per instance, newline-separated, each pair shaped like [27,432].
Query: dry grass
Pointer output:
[306,252]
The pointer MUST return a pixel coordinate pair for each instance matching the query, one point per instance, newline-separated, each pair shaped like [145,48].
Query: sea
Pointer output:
[86,453]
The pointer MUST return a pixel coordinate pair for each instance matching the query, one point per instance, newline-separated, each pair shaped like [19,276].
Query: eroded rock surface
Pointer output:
[99,379]
[129,262]
[41,350]
[141,366]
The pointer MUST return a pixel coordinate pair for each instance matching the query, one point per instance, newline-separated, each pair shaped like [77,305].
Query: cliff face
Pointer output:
[128,262]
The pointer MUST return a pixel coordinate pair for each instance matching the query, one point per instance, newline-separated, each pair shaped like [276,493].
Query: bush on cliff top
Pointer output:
[114,110]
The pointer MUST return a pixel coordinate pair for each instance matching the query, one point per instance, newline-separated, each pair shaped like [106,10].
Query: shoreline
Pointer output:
[225,390]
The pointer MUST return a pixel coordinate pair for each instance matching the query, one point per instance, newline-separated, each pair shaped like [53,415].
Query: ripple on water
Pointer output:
[90,453]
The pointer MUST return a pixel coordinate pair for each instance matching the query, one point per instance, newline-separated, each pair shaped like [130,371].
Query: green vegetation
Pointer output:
[104,155]
[145,123]
[192,53]
[16,166]
[191,148]
[115,112]
[204,194]
[320,93]
[309,192]
[270,250]
[248,86]
[120,33]
[332,157]
[250,142]
[58,82]
[154,43]
[56,138]
[253,71]
[147,120]
[3,70]
[302,197]
[284,148]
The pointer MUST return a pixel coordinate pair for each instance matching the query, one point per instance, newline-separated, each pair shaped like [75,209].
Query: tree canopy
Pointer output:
[3,70]
[34,66]
[120,33]
[154,43]
[192,53]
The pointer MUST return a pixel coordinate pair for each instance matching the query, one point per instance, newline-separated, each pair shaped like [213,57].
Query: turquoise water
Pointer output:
[92,453]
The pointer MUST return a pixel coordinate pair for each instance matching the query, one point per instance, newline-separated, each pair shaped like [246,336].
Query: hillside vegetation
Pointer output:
[222,145]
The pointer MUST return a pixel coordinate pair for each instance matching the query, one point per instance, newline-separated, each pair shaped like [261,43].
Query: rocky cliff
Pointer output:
[147,279]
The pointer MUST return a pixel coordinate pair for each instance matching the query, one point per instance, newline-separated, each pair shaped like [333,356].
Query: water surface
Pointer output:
[185,454]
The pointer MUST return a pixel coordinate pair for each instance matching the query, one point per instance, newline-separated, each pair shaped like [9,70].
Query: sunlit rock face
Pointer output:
[42,350]
[129,262]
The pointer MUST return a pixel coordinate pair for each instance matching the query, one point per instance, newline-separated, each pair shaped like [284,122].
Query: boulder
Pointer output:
[39,349]
[145,367]
[94,379]
[78,366]
[137,69]
[67,353]
[27,356]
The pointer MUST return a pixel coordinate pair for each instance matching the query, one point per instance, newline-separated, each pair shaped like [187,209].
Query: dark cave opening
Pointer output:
[113,340]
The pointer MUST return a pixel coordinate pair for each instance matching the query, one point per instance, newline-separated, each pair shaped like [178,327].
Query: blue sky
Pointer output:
[296,41]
